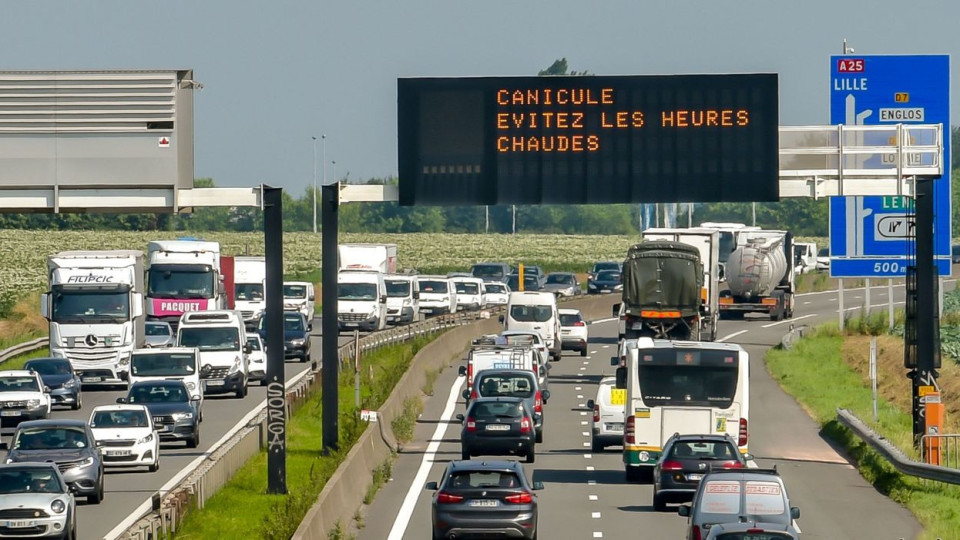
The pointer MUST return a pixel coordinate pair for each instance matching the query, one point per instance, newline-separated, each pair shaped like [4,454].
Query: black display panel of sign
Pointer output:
[589,139]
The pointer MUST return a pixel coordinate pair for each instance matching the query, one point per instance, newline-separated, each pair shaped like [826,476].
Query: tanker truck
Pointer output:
[662,291]
[760,276]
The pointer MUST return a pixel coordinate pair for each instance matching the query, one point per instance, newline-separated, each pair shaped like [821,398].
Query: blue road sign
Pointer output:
[872,236]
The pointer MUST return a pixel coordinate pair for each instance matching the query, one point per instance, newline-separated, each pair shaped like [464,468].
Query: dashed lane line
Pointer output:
[785,321]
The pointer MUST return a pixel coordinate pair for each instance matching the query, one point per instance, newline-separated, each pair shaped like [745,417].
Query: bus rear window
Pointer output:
[690,386]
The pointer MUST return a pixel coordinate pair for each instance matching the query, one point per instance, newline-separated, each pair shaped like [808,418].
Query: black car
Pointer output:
[68,443]
[605,281]
[599,266]
[530,283]
[175,414]
[296,335]
[955,253]
[487,499]
[684,462]
[57,374]
[512,383]
[498,426]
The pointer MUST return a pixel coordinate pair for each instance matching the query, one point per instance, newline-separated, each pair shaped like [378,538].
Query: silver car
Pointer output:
[36,502]
[158,334]
[563,284]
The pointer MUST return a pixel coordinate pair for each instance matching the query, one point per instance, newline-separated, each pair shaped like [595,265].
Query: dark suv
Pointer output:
[512,383]
[498,426]
[491,271]
[175,414]
[684,462]
[488,499]
[296,335]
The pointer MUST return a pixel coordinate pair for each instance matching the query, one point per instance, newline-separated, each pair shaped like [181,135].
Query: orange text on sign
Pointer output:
[682,118]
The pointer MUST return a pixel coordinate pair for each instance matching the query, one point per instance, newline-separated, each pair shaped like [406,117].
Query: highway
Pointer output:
[586,495]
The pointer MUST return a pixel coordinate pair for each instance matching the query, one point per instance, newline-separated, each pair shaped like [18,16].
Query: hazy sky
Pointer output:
[277,72]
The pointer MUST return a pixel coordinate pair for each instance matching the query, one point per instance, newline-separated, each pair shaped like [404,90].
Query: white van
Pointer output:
[471,295]
[361,300]
[300,296]
[181,363]
[483,356]
[608,415]
[403,298]
[437,295]
[221,337]
[535,311]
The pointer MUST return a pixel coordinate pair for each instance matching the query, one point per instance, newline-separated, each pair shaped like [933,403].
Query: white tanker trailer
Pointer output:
[759,276]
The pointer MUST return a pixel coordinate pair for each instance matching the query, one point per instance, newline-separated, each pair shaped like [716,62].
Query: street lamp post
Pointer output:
[334,163]
[314,185]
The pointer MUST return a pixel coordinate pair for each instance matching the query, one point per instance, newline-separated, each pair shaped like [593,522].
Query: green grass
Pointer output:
[816,375]
[17,362]
[404,424]
[381,475]
[244,509]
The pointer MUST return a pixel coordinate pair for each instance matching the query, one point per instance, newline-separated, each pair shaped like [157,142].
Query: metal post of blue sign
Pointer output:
[330,361]
[928,321]
[276,391]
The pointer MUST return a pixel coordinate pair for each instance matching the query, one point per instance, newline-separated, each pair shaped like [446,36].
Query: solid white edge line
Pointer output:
[785,321]
[733,335]
[410,500]
[598,321]
[147,505]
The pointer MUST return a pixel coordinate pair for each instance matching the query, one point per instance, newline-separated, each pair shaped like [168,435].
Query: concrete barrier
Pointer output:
[345,490]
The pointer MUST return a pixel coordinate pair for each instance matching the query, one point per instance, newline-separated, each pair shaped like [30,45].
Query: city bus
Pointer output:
[687,387]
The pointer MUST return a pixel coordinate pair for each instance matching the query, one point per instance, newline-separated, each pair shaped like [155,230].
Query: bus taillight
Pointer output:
[629,431]
[743,433]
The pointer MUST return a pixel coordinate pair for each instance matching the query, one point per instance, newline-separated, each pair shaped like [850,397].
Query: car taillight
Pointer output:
[732,465]
[536,370]
[470,374]
[473,394]
[448,498]
[524,497]
[695,530]
[742,441]
[596,413]
[579,323]
[525,425]
[471,424]
[671,466]
[629,436]
[537,403]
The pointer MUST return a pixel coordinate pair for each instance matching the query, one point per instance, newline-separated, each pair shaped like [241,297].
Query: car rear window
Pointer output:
[531,313]
[703,450]
[482,479]
[514,385]
[495,409]
[721,497]
[570,319]
[766,535]
[764,499]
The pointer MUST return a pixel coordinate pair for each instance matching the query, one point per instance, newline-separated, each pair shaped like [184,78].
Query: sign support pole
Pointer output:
[890,302]
[867,298]
[928,321]
[276,388]
[329,361]
[840,302]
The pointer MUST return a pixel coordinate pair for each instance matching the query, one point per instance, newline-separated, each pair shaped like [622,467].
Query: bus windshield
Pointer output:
[687,386]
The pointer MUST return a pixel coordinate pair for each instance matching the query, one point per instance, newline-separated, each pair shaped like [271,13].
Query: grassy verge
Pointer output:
[244,509]
[815,372]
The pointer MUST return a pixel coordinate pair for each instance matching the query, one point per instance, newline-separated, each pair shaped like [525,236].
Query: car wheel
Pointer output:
[156,465]
[194,441]
[242,391]
[306,358]
[531,454]
[659,505]
[263,381]
[464,454]
[583,351]
[596,446]
[79,403]
[97,497]
[539,437]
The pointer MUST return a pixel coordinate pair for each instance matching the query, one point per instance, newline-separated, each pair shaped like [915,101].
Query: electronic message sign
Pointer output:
[588,139]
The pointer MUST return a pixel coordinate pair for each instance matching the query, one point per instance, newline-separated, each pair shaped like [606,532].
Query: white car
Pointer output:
[497,293]
[22,396]
[257,358]
[126,436]
[573,331]
[606,427]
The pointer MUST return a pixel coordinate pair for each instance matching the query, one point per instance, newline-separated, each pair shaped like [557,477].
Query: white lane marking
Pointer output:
[595,515]
[785,321]
[598,321]
[733,335]
[583,413]
[582,404]
[579,396]
[583,422]
[416,487]
[591,468]
[594,352]
[591,482]
[583,368]
[577,388]
[585,362]
[587,456]
[605,346]
[593,498]
[586,445]
[586,433]
[597,534]
[807,302]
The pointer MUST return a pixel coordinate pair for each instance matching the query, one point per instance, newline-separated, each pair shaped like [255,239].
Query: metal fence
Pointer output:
[943,450]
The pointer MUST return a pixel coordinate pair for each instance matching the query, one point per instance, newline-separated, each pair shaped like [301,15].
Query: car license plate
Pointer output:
[23,524]
[497,427]
[92,379]
[9,413]
[214,383]
[118,453]
[164,427]
[637,326]
[618,396]
[695,477]
[615,426]
[485,503]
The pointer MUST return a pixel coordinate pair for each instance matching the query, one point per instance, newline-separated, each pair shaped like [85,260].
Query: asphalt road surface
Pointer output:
[586,495]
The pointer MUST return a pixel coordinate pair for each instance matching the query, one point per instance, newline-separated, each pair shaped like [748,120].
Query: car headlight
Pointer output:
[86,463]
[33,403]
[235,367]
[297,342]
[591,286]
[182,416]
[70,384]
[58,506]
[191,385]
[149,437]
[124,360]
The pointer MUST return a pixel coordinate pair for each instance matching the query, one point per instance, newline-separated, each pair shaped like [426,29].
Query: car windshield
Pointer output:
[248,292]
[481,479]
[464,287]
[120,419]
[570,319]
[494,288]
[487,271]
[705,450]
[293,324]
[600,266]
[512,385]
[398,288]
[211,338]
[33,480]
[254,343]
[495,409]
[531,313]
[157,329]
[143,393]
[559,279]
[824,252]
[49,367]
[609,275]
[19,384]
[163,365]
[356,291]
[433,286]
[295,292]
[50,438]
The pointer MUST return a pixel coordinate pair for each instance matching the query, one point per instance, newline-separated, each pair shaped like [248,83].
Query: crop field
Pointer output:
[23,253]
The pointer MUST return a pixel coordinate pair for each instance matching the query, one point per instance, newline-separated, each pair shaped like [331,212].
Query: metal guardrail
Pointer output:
[894,455]
[941,449]
[23,348]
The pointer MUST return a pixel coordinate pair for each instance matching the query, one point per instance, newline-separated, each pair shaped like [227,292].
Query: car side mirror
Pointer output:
[74,489]
[459,418]
[545,395]
[794,512]
[46,389]
[432,486]
[537,486]
[98,444]
[500,318]
[621,378]
[466,394]
[383,299]
[121,400]
[195,399]
[615,311]
[416,295]
[462,371]
[247,349]
[684,510]
[590,403]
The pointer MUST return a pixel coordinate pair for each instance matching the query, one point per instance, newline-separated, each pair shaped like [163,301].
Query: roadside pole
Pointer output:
[890,304]
[840,301]
[356,368]
[330,370]
[276,386]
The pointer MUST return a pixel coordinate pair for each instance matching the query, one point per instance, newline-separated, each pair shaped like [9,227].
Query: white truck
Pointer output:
[183,276]
[221,338]
[805,257]
[95,309]
[760,276]
[379,257]
[361,300]
[707,242]
[300,296]
[249,286]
